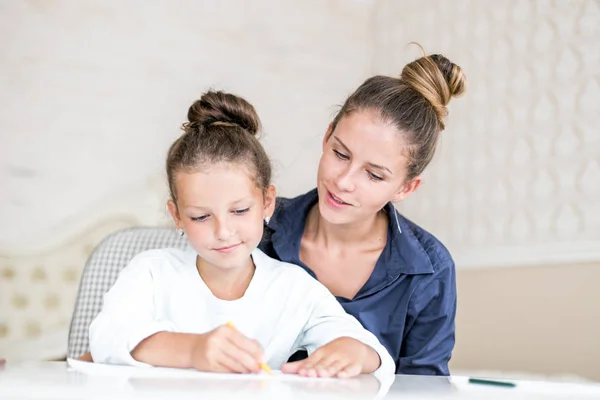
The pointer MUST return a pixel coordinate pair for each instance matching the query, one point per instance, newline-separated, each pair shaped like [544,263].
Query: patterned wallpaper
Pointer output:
[93,93]
[516,180]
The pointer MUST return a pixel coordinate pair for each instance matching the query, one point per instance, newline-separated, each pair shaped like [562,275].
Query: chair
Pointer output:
[101,271]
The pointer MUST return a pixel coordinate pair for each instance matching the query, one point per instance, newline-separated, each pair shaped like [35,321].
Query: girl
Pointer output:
[171,308]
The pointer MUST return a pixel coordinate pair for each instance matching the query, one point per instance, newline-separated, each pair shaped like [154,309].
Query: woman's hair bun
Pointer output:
[437,79]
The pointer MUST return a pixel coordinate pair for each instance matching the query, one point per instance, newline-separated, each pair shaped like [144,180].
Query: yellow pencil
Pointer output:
[264,366]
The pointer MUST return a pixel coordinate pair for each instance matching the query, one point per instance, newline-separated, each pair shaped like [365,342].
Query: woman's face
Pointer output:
[362,168]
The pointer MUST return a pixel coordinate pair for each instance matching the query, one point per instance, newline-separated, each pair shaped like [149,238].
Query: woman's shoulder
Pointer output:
[288,219]
[437,253]
[301,201]
[283,203]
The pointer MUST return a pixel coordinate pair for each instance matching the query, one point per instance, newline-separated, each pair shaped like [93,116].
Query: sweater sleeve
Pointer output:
[127,316]
[329,321]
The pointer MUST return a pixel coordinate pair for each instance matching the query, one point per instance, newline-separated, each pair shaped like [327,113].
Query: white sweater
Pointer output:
[284,309]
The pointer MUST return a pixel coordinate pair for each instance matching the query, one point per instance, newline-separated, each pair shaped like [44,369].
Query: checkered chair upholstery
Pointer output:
[101,271]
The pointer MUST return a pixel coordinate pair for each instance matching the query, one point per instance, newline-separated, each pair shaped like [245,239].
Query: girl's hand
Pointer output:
[225,349]
[343,358]
[86,357]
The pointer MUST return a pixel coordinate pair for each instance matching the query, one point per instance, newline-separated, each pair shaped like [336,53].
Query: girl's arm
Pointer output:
[127,316]
[128,332]
[332,334]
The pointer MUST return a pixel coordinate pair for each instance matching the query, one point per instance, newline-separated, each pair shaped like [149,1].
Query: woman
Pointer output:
[393,276]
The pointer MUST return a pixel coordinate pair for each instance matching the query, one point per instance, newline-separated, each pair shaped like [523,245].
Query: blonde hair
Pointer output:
[426,76]
[415,103]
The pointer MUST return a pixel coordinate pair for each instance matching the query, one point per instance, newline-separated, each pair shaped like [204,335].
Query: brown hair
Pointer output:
[415,103]
[221,128]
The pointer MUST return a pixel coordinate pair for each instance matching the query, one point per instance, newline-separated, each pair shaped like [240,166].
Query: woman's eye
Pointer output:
[340,155]
[199,219]
[240,212]
[374,177]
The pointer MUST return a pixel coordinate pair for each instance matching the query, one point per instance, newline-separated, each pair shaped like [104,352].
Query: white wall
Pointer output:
[92,94]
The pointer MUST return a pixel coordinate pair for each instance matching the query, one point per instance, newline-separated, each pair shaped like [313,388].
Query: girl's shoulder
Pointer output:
[170,259]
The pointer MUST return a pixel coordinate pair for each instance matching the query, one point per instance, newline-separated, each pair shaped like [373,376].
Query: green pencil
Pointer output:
[491,382]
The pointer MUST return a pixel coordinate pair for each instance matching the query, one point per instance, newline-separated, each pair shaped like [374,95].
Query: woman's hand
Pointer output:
[343,358]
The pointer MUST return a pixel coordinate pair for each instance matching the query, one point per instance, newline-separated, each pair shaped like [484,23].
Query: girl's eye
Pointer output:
[340,155]
[374,177]
[199,219]
[240,212]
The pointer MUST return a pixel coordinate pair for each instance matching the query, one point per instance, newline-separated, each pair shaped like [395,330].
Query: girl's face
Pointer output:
[362,168]
[221,211]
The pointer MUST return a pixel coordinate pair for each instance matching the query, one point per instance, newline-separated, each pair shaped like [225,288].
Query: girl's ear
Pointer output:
[172,207]
[270,199]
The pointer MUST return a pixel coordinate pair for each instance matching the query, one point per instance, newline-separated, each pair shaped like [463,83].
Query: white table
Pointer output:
[56,380]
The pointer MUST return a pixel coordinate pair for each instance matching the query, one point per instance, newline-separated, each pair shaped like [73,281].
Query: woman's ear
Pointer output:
[328,134]
[172,207]
[407,189]
[270,200]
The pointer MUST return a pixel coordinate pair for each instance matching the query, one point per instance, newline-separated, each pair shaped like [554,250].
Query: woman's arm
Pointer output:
[429,333]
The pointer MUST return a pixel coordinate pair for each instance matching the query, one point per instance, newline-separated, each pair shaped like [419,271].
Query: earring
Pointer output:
[267,219]
[180,231]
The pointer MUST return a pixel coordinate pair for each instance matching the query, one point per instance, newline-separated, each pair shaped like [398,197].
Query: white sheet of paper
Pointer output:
[96,369]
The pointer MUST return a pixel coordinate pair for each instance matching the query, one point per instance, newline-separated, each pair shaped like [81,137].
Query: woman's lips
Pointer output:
[336,201]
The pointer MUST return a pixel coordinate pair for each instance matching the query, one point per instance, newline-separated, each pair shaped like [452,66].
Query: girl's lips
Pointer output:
[227,249]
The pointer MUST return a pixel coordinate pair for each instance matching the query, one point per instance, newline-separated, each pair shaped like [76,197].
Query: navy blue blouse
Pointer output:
[409,301]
